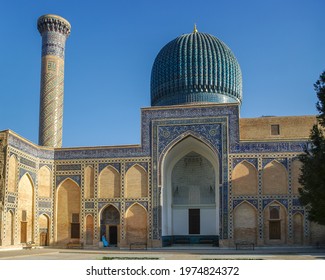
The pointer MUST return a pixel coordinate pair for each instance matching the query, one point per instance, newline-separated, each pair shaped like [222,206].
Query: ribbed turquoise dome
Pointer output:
[195,68]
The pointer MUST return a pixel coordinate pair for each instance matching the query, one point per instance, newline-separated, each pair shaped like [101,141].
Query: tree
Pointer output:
[312,178]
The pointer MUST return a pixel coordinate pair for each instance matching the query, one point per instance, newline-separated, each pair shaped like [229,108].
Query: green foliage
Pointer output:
[319,87]
[312,179]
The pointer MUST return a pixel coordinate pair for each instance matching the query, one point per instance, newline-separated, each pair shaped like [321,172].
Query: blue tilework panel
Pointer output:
[28,148]
[283,161]
[23,171]
[267,201]
[253,202]
[253,161]
[269,147]
[61,178]
[117,166]
[296,202]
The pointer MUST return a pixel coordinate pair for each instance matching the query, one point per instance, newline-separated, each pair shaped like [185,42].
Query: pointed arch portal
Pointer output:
[190,193]
[109,224]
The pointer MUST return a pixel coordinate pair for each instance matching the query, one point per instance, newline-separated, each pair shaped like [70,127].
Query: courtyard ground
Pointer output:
[169,253]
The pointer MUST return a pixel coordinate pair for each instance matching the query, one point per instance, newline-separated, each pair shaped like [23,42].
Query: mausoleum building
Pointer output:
[201,174]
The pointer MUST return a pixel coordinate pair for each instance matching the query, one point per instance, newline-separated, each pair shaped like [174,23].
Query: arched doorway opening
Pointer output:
[110,225]
[43,222]
[190,193]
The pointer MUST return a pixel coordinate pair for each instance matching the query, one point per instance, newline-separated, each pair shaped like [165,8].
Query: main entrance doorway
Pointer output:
[194,221]
[190,181]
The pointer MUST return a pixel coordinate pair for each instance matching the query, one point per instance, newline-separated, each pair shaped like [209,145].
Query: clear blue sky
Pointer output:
[280,46]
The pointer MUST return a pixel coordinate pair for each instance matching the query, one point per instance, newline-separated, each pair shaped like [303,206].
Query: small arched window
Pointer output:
[274,212]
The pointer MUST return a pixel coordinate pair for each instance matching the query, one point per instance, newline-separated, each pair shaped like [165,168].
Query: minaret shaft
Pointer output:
[54,31]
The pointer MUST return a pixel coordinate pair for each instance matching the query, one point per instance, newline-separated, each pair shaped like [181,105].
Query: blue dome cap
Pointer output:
[195,68]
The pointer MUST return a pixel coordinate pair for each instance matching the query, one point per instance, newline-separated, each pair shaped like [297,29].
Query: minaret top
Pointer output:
[53,23]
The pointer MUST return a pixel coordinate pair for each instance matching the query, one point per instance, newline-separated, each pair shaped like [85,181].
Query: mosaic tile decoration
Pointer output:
[284,202]
[65,167]
[27,162]
[116,166]
[23,171]
[28,148]
[61,178]
[54,30]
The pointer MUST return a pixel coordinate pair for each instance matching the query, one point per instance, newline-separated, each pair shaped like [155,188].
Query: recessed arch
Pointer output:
[245,223]
[109,183]
[44,182]
[67,211]
[275,223]
[12,176]
[25,208]
[110,223]
[175,220]
[136,223]
[275,178]
[136,179]
[89,182]
[244,179]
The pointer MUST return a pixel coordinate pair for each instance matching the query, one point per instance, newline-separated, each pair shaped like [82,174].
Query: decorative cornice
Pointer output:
[53,23]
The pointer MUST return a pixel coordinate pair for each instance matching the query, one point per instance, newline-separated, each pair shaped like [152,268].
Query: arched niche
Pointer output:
[12,176]
[68,212]
[275,178]
[109,183]
[136,182]
[245,223]
[244,179]
[89,182]
[44,182]
[136,224]
[26,209]
[275,224]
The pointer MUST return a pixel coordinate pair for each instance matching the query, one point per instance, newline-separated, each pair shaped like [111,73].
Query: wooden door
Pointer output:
[23,232]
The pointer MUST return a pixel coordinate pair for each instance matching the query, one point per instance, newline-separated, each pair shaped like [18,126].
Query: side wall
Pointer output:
[124,184]
[264,189]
